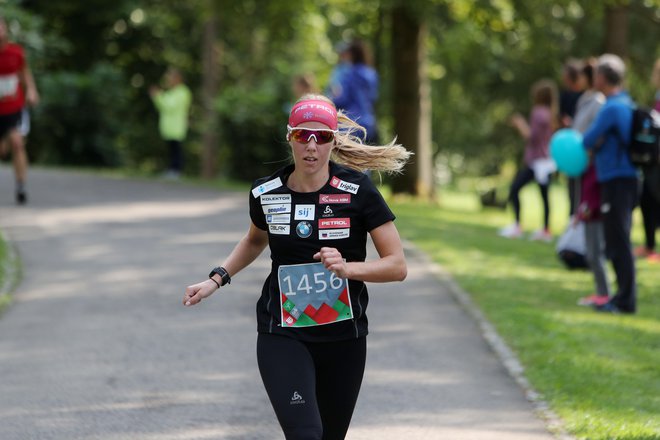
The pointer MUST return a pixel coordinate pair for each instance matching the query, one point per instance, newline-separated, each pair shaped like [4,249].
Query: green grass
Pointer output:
[600,373]
[5,298]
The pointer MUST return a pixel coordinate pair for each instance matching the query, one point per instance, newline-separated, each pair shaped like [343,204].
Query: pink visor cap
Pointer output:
[313,111]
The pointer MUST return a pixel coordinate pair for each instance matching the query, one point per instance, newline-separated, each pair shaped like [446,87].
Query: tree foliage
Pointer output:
[94,61]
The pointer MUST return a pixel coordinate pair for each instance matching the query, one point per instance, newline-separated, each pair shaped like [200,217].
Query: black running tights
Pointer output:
[523,177]
[313,386]
[650,215]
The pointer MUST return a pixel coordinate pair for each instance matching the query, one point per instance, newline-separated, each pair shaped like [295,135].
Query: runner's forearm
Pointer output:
[383,270]
[391,266]
[246,251]
[27,80]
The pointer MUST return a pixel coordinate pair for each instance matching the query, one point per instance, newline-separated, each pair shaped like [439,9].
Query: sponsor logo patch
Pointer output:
[278,218]
[304,229]
[334,223]
[296,399]
[343,185]
[304,212]
[334,234]
[265,187]
[327,212]
[327,199]
[276,209]
[279,229]
[275,198]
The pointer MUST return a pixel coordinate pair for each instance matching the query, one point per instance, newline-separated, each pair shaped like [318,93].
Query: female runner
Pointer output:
[314,215]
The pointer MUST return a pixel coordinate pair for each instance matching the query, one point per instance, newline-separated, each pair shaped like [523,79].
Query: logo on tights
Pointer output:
[297,399]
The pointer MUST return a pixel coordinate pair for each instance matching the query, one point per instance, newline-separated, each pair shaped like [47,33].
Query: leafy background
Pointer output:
[95,60]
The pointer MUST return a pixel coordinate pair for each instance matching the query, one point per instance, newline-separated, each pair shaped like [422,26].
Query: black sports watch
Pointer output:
[224,275]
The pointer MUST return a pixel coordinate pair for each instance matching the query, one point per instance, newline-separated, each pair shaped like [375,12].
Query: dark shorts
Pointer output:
[8,123]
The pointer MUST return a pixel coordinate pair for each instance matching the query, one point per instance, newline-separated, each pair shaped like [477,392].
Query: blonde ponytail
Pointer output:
[350,150]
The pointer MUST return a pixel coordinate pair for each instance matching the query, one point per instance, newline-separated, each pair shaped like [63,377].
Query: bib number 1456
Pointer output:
[312,295]
[305,287]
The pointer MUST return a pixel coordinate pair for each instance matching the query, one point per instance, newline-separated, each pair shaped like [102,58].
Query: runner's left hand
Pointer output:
[31,97]
[333,261]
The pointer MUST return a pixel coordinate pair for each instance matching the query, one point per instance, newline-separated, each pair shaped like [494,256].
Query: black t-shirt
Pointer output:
[568,102]
[339,215]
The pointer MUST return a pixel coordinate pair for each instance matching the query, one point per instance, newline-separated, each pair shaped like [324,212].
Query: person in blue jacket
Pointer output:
[607,139]
[355,88]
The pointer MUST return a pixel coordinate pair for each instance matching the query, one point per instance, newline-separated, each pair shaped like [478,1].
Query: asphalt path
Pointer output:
[98,346]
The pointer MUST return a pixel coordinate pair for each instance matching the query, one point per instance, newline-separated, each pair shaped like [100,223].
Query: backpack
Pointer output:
[644,147]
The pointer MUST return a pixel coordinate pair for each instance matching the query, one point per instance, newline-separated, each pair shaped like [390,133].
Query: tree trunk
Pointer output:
[616,30]
[411,101]
[425,182]
[210,83]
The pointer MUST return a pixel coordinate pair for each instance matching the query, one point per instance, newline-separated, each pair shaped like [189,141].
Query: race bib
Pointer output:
[312,295]
[8,85]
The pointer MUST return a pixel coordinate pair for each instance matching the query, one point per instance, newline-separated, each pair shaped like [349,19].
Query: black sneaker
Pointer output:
[21,197]
[611,308]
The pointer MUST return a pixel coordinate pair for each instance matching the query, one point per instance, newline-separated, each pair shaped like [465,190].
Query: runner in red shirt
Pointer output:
[17,89]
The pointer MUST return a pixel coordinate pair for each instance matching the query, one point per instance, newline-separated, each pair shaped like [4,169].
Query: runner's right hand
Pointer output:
[197,292]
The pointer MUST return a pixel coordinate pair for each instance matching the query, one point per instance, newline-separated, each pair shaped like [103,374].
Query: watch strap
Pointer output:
[224,275]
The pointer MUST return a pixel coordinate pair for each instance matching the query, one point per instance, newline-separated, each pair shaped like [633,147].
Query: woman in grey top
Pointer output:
[588,210]
[589,103]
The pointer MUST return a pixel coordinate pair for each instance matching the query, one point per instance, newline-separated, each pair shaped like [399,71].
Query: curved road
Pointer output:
[98,346]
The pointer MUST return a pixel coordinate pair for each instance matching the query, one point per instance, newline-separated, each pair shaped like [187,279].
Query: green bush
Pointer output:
[254,128]
[80,117]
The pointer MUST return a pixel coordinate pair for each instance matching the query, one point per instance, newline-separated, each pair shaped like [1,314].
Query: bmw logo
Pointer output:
[304,229]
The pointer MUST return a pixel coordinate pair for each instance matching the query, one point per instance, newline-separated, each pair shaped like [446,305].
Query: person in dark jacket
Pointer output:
[650,200]
[607,139]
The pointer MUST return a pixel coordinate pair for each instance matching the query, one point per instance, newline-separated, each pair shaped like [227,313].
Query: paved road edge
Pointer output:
[506,356]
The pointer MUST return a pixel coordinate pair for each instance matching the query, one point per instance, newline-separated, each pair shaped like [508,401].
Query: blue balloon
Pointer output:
[568,153]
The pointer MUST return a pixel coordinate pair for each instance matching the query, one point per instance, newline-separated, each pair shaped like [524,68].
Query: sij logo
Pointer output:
[304,212]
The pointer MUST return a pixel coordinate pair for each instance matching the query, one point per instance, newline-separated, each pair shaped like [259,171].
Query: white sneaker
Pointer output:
[541,235]
[511,231]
